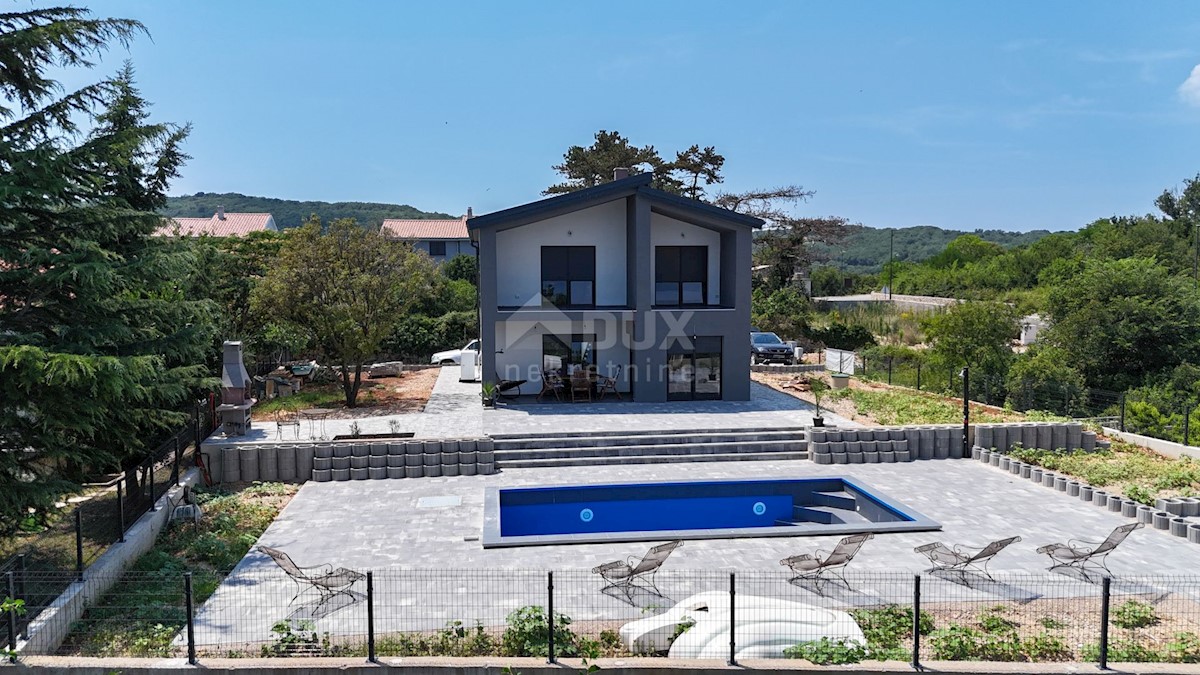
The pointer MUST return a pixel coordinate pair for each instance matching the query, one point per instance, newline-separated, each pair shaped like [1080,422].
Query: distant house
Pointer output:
[221,224]
[1030,327]
[441,239]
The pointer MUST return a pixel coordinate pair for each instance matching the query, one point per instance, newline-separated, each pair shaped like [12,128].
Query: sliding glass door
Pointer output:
[695,374]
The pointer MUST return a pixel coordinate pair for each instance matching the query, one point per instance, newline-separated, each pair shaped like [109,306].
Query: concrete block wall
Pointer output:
[1068,436]
[350,460]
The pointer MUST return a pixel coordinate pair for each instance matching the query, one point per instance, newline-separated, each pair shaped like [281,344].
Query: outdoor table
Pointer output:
[315,415]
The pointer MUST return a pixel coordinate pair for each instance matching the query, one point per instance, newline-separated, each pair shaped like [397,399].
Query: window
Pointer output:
[568,353]
[680,275]
[437,248]
[569,276]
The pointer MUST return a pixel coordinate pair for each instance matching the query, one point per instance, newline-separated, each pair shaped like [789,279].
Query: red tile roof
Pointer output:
[232,225]
[425,229]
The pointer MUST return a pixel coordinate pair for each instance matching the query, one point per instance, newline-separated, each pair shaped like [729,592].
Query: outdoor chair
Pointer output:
[552,383]
[963,560]
[816,566]
[327,581]
[503,387]
[1079,554]
[581,385]
[624,574]
[286,418]
[609,384]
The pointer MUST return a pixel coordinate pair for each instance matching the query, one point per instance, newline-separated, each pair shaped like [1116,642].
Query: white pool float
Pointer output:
[765,627]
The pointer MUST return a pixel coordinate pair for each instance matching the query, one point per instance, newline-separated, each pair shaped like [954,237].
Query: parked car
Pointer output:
[454,356]
[767,347]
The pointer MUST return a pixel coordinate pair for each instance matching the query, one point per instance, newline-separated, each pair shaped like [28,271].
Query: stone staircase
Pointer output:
[648,447]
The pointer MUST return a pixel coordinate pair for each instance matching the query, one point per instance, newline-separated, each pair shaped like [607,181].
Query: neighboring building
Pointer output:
[441,239]
[645,286]
[1030,327]
[220,225]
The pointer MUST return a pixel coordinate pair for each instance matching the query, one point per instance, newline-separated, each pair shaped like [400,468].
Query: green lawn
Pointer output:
[894,407]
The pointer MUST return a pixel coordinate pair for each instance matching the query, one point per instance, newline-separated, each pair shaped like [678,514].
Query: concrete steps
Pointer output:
[647,447]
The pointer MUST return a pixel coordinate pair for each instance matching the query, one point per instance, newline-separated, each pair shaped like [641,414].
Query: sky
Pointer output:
[963,115]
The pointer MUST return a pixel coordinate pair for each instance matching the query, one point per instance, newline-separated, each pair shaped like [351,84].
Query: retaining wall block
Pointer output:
[1044,435]
[1174,506]
[450,457]
[942,440]
[926,445]
[816,435]
[322,463]
[1179,527]
[913,436]
[377,462]
[1072,488]
[1191,507]
[413,470]
[304,460]
[1060,483]
[467,469]
[231,464]
[1029,434]
[342,449]
[899,445]
[1026,470]
[1058,436]
[431,459]
[285,463]
[396,448]
[1088,441]
[841,458]
[378,472]
[484,456]
[880,434]
[871,457]
[485,444]
[1035,475]
[414,447]
[1099,498]
[1085,493]
[823,459]
[1015,466]
[449,445]
[985,435]
[431,446]
[340,474]
[854,457]
[360,450]
[359,474]
[433,470]
[323,450]
[994,460]
[396,461]
[887,456]
[1145,514]
[322,475]
[819,448]
[1000,437]
[379,449]
[248,459]
[904,456]
[833,435]
[342,462]
[1048,479]
[1193,533]
[895,434]
[870,446]
[359,462]
[1074,435]
[1115,503]
[975,452]
[985,456]
[853,447]
[395,472]
[468,456]
[1129,508]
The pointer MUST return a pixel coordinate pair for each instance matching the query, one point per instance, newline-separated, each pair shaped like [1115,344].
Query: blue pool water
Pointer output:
[691,510]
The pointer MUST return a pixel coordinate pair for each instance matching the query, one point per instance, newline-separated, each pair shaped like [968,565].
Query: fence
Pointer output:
[260,611]
[48,561]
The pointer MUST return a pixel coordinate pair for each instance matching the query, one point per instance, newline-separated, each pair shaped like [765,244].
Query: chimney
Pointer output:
[620,172]
[470,213]
[220,213]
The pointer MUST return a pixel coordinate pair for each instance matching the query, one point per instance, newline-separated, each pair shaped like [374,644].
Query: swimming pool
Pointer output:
[711,509]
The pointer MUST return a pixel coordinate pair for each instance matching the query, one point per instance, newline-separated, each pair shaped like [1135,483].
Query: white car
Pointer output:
[454,356]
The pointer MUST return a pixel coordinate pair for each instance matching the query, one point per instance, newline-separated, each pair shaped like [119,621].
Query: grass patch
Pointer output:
[902,407]
[145,608]
[1142,474]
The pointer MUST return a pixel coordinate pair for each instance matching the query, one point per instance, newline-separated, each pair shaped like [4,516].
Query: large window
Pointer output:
[680,275]
[437,248]
[568,353]
[569,276]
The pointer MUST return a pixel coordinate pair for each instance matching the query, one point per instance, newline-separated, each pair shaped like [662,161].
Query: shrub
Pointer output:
[527,634]
[298,638]
[824,652]
[886,627]
[1134,614]
[1123,651]
[1183,648]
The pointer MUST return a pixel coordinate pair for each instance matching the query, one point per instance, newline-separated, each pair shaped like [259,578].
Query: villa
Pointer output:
[221,224]
[441,239]
[622,280]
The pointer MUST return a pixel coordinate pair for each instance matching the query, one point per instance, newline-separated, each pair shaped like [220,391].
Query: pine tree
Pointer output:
[98,348]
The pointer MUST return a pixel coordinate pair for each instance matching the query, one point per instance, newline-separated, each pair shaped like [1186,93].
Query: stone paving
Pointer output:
[422,536]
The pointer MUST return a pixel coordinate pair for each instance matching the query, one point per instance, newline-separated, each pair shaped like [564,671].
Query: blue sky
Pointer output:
[1015,115]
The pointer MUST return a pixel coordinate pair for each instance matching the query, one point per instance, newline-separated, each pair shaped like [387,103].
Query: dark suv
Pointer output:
[767,347]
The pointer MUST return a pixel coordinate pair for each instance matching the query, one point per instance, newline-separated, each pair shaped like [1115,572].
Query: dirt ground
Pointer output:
[407,393]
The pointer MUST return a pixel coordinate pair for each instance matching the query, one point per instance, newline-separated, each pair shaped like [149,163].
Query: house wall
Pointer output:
[519,252]
[520,340]
[666,231]
[454,247]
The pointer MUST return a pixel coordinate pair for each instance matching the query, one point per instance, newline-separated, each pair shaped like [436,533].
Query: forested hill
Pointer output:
[288,212]
[866,248]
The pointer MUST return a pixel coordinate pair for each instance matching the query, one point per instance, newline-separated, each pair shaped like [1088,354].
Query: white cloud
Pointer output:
[1189,91]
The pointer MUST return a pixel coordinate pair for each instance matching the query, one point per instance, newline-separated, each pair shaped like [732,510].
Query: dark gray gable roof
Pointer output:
[599,194]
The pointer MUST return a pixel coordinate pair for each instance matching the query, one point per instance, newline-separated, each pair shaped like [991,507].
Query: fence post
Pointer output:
[150,480]
[1187,414]
[12,614]
[78,543]
[966,445]
[550,615]
[732,621]
[1105,587]
[371,617]
[175,466]
[889,371]
[22,568]
[916,623]
[191,617]
[918,376]
[121,507]
[1122,412]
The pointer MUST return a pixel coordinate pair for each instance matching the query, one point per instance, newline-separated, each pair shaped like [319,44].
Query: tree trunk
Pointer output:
[350,388]
[133,485]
